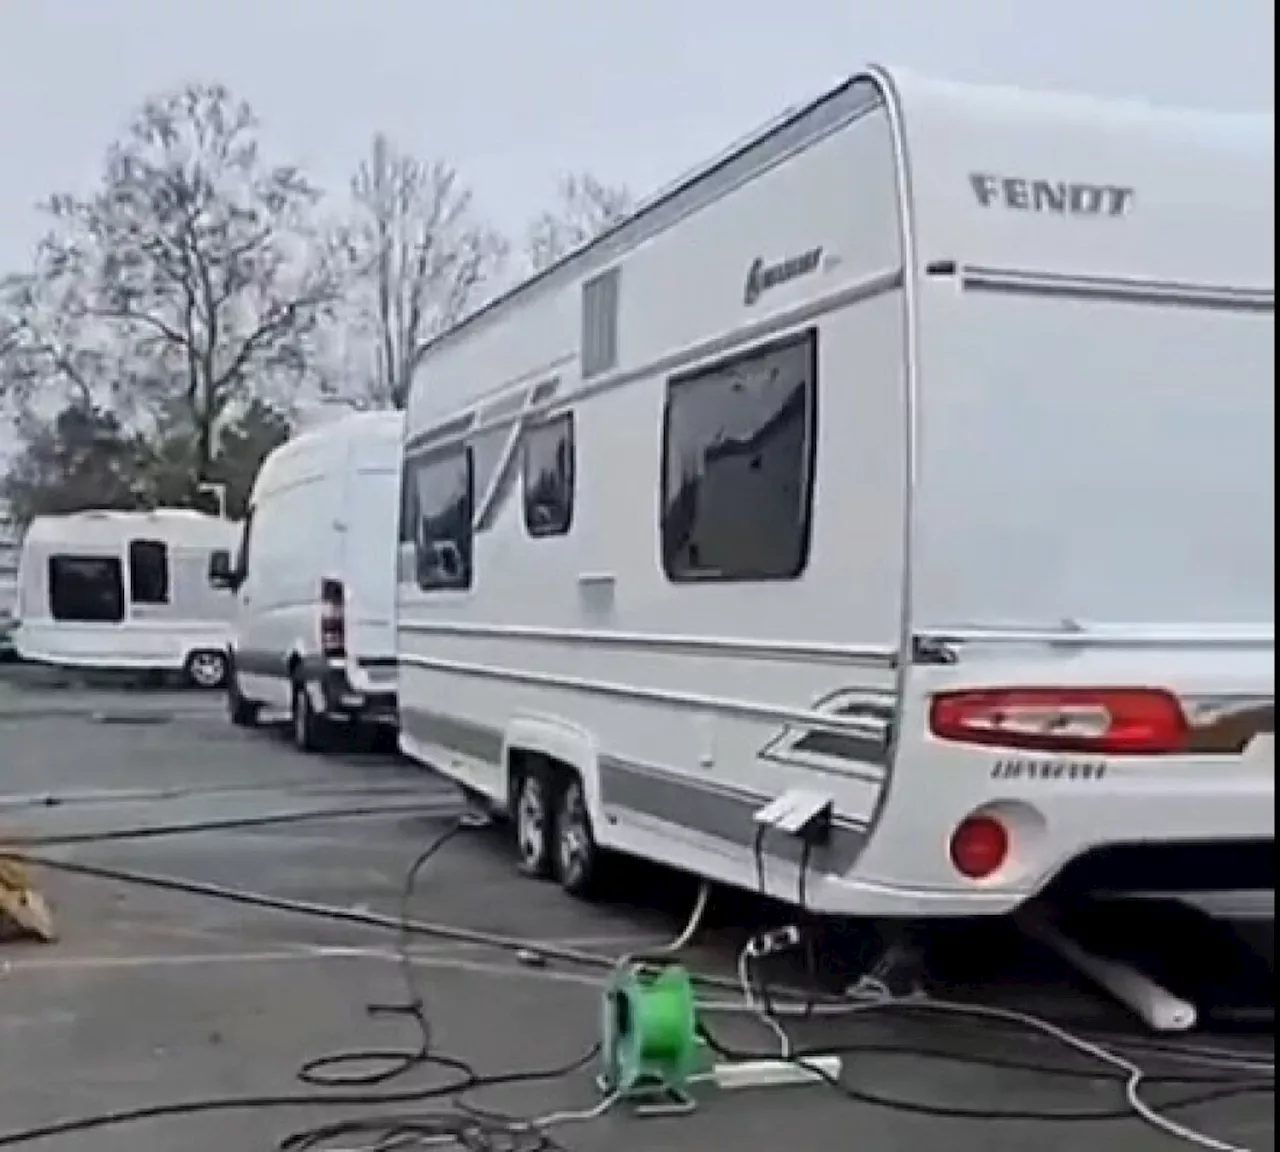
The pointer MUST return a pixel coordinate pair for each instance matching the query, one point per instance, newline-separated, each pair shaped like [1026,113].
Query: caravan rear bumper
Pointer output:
[1201,828]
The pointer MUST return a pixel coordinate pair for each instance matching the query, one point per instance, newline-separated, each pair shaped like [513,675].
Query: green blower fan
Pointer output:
[650,1045]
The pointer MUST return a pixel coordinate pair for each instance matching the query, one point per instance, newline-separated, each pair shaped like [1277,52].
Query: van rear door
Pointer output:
[370,519]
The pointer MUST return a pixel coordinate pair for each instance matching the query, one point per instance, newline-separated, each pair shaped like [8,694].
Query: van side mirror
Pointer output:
[222,573]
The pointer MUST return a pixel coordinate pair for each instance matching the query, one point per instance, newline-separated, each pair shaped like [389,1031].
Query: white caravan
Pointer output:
[125,591]
[883,517]
[314,580]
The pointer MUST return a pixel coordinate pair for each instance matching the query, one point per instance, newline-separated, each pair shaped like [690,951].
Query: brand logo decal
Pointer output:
[1053,197]
[763,276]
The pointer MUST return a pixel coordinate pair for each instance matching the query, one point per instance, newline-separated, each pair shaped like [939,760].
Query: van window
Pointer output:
[738,457]
[548,477]
[148,572]
[444,488]
[86,589]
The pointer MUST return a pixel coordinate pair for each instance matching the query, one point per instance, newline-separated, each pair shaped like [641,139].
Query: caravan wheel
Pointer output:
[534,815]
[207,670]
[579,862]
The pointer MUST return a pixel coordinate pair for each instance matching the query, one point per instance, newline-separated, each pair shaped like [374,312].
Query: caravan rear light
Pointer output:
[1098,721]
[333,619]
[979,847]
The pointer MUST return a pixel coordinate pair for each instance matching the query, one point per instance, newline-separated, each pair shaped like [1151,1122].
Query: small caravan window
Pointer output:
[443,486]
[737,471]
[148,572]
[86,589]
[548,477]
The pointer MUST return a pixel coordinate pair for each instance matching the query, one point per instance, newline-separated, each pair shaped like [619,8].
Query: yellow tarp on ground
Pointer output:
[24,913]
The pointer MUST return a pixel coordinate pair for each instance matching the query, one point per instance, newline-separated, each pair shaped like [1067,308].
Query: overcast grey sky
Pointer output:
[517,91]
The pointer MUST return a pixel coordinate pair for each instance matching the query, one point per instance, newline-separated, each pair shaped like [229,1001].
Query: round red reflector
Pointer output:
[979,847]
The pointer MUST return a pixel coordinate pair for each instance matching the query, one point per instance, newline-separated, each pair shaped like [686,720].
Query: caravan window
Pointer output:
[86,589]
[548,477]
[148,572]
[444,494]
[738,457]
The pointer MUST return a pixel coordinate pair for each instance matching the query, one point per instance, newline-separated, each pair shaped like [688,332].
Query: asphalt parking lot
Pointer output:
[152,997]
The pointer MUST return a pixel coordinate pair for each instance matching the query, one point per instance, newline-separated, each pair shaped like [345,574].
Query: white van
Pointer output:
[126,591]
[883,518]
[314,581]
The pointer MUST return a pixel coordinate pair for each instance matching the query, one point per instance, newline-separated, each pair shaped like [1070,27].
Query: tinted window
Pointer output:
[86,589]
[548,477]
[148,572]
[408,503]
[444,497]
[738,465]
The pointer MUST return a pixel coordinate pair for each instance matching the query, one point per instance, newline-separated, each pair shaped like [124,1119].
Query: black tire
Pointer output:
[533,821]
[207,669]
[242,713]
[579,862]
[310,730]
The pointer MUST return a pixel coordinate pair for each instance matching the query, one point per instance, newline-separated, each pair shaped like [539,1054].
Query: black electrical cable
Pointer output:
[465,1127]
[233,823]
[473,1132]
[476,1130]
[1226,1090]
[322,1072]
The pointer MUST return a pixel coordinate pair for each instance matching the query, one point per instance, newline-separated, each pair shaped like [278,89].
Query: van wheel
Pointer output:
[579,861]
[534,823]
[310,729]
[242,713]
[207,670]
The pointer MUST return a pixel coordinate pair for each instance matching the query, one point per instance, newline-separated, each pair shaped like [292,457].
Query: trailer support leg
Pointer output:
[1157,1007]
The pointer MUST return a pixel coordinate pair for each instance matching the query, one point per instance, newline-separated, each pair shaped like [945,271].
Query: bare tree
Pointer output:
[197,256]
[420,258]
[49,355]
[585,208]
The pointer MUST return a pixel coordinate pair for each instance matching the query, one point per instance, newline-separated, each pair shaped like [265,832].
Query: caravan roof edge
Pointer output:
[794,129]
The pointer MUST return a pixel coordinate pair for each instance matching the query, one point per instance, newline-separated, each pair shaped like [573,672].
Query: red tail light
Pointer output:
[1105,721]
[979,847]
[333,619]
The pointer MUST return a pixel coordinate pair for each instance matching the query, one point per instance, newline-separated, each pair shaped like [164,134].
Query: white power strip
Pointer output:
[777,1073]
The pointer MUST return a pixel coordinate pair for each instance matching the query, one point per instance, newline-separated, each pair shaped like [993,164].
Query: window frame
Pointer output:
[244,549]
[804,340]
[428,460]
[161,549]
[566,421]
[113,563]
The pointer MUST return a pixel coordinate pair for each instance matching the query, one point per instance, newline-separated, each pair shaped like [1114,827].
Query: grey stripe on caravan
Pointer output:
[718,812]
[855,656]
[1114,289]
[729,706]
[477,741]
[710,809]
[868,288]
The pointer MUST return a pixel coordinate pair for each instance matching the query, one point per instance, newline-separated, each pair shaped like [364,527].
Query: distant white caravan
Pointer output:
[884,518]
[126,591]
